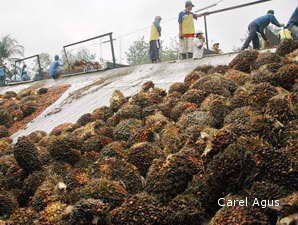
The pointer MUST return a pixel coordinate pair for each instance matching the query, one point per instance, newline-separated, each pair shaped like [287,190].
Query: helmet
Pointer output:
[270,12]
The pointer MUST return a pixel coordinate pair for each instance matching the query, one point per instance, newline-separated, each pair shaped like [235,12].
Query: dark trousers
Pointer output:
[154,50]
[253,29]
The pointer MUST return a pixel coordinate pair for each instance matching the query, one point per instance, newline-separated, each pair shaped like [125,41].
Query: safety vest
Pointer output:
[188,26]
[285,34]
[154,36]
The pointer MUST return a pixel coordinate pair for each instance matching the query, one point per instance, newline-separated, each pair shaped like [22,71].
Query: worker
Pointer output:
[216,49]
[54,68]
[2,76]
[24,73]
[187,30]
[293,24]
[199,42]
[258,26]
[155,40]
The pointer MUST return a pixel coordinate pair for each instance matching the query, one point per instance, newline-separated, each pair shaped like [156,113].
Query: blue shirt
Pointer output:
[54,67]
[294,19]
[264,21]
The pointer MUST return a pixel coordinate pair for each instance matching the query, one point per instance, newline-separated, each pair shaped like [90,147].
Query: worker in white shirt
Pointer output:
[198,48]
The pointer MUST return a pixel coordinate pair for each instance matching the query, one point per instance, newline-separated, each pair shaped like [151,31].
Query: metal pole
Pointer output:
[206,32]
[65,53]
[38,62]
[112,48]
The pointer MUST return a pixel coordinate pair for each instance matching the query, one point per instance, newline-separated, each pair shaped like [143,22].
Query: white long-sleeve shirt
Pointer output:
[198,50]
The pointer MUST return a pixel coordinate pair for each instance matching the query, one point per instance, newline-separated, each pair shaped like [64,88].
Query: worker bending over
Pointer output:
[155,40]
[54,68]
[293,24]
[187,30]
[258,26]
[198,48]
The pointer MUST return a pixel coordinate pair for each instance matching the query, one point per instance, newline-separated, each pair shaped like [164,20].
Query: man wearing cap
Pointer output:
[198,48]
[187,30]
[216,49]
[258,26]
[54,70]
[155,40]
[293,24]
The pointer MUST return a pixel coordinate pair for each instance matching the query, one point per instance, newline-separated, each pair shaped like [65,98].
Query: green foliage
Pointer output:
[45,60]
[138,52]
[82,55]
[9,47]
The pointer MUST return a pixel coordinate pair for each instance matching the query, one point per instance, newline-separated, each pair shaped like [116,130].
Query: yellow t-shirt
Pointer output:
[187,20]
[154,36]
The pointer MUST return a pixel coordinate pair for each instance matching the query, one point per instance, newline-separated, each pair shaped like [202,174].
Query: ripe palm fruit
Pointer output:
[217,108]
[172,138]
[168,177]
[115,149]
[31,183]
[260,94]
[286,76]
[142,155]
[178,87]
[266,58]
[65,148]
[26,155]
[102,113]
[85,119]
[244,61]
[88,211]
[286,47]
[121,171]
[23,216]
[186,209]
[214,84]
[139,209]
[4,132]
[199,118]
[53,214]
[8,204]
[194,96]
[266,190]
[111,192]
[29,108]
[282,107]
[48,192]
[117,100]
[238,77]
[193,77]
[126,128]
[5,119]
[180,108]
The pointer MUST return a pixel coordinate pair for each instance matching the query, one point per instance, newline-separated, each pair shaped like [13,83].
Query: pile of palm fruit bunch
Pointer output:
[15,107]
[81,65]
[227,133]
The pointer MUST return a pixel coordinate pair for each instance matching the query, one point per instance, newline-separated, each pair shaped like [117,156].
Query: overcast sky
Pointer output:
[47,25]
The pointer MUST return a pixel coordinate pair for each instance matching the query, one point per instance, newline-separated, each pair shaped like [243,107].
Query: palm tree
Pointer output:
[9,47]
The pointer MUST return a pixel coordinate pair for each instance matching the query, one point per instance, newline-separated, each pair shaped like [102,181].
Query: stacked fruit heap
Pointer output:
[159,158]
[15,107]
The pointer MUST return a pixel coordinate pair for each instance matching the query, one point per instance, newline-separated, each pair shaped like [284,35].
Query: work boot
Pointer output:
[183,56]
[190,55]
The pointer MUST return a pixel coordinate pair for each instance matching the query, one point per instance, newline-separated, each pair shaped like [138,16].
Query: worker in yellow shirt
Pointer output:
[187,30]
[155,40]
